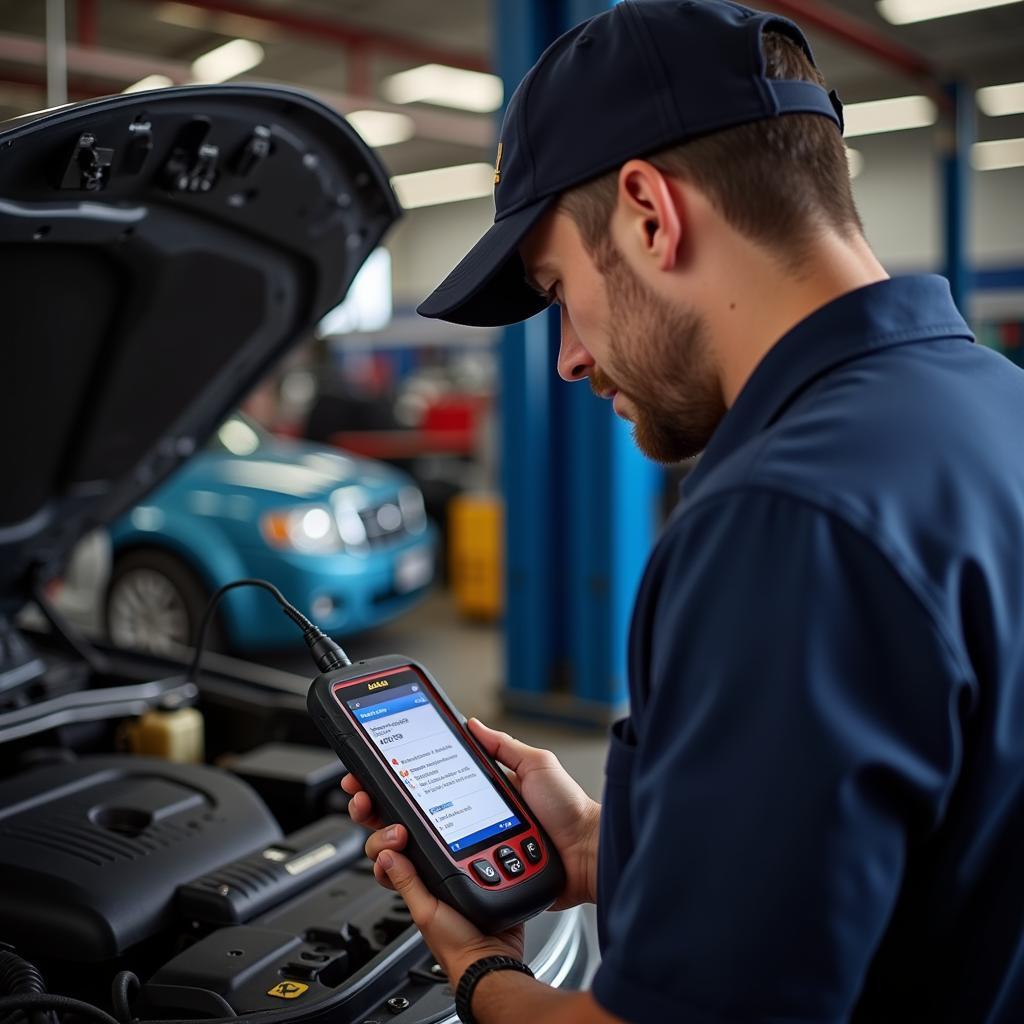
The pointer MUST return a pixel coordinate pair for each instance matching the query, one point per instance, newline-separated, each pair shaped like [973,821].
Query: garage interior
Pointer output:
[524,513]
[935,192]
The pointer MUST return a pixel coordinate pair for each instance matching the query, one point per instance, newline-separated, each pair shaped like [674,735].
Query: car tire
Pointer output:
[155,603]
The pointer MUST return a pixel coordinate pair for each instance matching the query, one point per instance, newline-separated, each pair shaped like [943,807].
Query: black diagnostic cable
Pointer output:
[326,653]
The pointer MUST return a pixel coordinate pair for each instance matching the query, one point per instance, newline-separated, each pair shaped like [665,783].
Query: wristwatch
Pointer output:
[472,975]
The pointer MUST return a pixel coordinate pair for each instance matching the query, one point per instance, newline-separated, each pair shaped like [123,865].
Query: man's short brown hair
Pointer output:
[778,181]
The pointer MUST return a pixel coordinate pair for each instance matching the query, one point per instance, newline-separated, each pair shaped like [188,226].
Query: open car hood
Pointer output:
[159,252]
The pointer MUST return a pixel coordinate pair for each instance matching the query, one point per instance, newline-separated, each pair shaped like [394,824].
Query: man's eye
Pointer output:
[539,289]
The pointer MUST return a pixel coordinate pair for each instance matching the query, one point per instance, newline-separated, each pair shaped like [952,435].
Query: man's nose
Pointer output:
[574,361]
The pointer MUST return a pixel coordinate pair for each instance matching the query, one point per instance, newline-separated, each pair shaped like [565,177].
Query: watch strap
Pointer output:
[472,975]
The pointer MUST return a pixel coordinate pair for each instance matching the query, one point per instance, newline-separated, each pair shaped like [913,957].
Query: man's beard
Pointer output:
[661,362]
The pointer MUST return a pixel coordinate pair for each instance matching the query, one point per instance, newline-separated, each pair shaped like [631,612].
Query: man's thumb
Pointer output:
[402,875]
[510,752]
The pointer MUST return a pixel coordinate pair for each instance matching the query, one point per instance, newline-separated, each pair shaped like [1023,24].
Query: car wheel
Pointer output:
[155,603]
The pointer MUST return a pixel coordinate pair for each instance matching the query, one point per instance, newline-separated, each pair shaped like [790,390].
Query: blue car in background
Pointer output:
[345,539]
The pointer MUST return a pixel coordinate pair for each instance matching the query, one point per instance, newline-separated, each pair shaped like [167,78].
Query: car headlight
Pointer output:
[351,528]
[414,514]
[310,529]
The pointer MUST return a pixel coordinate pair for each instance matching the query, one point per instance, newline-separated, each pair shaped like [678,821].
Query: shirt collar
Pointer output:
[897,311]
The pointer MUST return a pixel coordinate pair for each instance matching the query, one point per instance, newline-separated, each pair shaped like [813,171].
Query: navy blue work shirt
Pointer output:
[815,811]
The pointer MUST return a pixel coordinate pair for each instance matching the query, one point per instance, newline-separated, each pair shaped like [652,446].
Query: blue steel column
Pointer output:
[958,133]
[580,498]
[612,506]
[527,425]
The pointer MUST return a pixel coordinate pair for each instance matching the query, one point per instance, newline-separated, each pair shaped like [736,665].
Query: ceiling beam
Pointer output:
[856,34]
[98,72]
[350,36]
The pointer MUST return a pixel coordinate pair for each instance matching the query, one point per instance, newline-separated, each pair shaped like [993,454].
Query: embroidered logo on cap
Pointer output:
[497,165]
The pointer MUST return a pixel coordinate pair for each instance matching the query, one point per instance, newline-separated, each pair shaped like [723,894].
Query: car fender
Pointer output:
[203,547]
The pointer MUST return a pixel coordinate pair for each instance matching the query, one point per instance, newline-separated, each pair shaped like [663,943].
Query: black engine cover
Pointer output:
[91,853]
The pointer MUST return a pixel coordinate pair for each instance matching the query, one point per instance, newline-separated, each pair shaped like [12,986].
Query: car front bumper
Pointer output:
[341,593]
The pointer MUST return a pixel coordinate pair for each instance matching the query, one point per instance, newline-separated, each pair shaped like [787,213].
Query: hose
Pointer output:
[19,977]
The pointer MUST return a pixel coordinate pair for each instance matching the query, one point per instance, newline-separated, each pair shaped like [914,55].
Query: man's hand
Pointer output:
[570,818]
[568,815]
[455,941]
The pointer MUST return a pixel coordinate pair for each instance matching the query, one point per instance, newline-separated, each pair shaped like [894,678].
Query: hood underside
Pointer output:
[158,254]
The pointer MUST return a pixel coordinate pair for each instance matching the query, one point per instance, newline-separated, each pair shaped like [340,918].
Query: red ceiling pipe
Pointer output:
[359,81]
[78,88]
[856,34]
[87,22]
[346,35]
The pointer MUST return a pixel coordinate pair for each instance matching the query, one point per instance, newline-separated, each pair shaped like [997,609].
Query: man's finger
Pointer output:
[394,837]
[406,882]
[351,785]
[382,876]
[360,810]
[506,749]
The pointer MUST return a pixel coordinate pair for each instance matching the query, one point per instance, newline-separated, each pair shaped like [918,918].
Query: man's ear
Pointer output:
[651,214]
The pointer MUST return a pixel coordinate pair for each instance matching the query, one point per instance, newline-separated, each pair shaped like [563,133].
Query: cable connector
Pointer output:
[326,653]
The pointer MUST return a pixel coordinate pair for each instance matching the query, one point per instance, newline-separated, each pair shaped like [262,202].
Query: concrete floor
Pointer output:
[466,659]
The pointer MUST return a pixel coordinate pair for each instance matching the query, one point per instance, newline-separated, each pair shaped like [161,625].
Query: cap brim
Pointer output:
[488,288]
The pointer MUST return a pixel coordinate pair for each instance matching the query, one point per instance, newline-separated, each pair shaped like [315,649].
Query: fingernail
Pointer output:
[392,834]
[385,860]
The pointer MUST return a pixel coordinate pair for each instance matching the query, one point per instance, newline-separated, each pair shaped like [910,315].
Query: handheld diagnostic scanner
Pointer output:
[473,841]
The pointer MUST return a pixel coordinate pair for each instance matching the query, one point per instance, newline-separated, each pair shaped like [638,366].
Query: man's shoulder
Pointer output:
[913,429]
[918,457]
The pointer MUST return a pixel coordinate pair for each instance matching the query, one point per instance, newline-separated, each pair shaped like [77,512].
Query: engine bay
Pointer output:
[159,890]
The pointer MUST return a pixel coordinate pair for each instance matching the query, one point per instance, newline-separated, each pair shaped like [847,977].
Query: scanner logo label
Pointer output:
[288,990]
[378,685]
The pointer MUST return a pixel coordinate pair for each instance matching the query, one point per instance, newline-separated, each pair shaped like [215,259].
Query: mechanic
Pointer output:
[815,810]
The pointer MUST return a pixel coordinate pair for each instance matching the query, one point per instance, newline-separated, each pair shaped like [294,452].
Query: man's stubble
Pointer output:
[660,360]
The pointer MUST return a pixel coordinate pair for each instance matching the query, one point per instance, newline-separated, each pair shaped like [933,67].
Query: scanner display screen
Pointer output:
[434,765]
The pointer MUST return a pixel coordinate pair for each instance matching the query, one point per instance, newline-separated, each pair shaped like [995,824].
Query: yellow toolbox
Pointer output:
[476,554]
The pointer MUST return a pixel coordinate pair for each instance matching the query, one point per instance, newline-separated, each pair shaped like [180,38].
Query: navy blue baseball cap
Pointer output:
[635,79]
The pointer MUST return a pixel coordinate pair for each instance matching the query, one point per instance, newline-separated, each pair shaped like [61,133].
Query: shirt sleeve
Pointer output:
[800,734]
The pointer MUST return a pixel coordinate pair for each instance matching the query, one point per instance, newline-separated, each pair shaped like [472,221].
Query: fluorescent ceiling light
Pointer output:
[997,100]
[855,161]
[903,12]
[234,58]
[444,185]
[447,87]
[382,128]
[150,82]
[892,115]
[995,156]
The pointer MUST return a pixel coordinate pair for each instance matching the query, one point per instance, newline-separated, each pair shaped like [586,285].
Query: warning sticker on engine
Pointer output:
[288,990]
